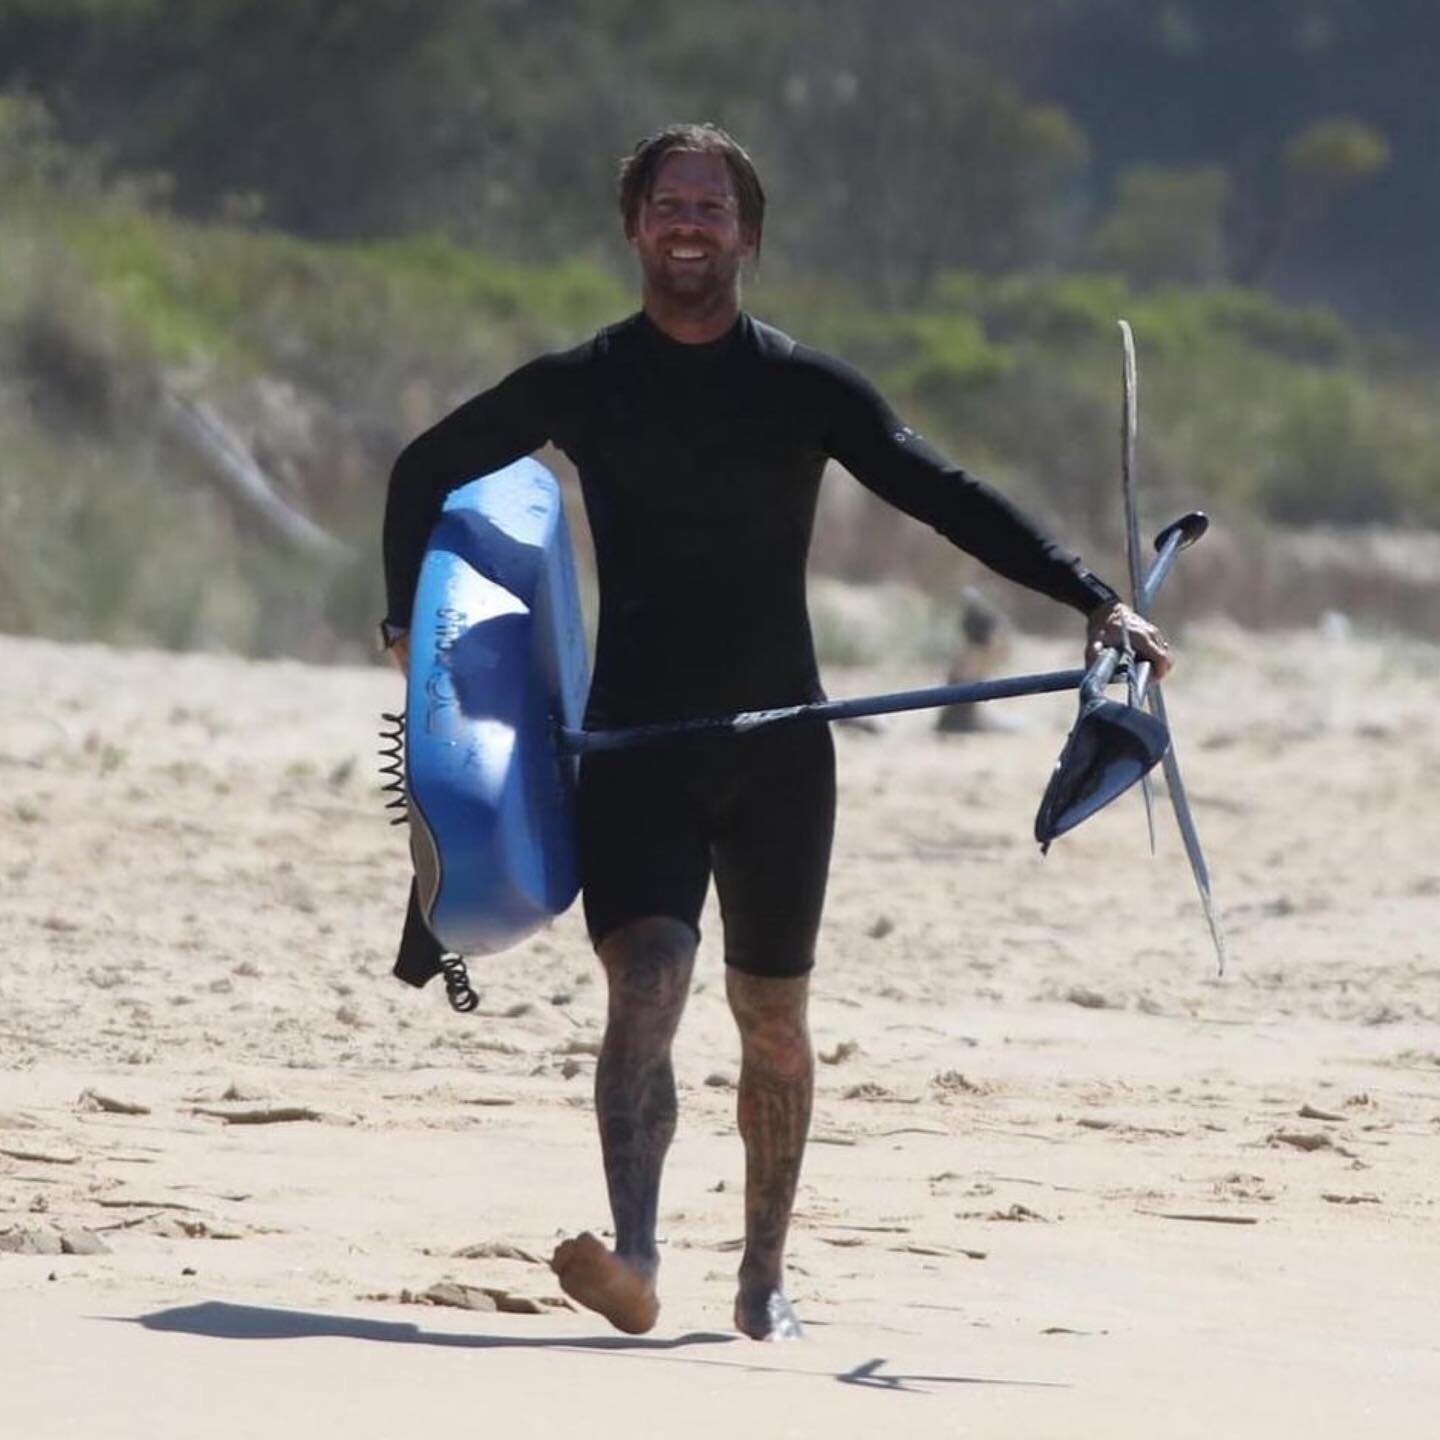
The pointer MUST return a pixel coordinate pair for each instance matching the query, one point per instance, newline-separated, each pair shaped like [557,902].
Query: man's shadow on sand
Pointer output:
[220,1320]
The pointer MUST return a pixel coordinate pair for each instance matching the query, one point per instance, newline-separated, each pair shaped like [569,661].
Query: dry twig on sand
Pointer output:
[94,1100]
[272,1115]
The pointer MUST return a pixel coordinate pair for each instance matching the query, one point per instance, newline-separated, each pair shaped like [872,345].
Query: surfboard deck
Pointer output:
[497,662]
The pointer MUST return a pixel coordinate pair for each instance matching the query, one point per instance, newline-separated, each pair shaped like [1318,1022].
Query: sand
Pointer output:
[1065,1181]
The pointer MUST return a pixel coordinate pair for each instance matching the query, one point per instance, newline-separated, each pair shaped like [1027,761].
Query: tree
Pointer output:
[1166,225]
[1319,165]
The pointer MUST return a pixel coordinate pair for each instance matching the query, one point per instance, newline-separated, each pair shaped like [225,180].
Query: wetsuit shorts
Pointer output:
[757,811]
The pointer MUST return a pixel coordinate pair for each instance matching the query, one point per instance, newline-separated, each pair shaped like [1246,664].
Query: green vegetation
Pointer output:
[327,357]
[367,212]
[1205,139]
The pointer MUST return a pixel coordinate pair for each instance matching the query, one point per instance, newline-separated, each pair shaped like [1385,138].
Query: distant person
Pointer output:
[700,436]
[981,652]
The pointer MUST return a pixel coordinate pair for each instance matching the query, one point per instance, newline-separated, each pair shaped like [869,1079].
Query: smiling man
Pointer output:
[700,436]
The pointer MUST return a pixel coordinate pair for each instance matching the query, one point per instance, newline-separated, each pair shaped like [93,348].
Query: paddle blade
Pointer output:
[1135,688]
[1186,821]
[1111,747]
[1129,430]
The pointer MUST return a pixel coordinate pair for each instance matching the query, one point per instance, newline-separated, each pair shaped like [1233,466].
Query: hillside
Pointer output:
[317,360]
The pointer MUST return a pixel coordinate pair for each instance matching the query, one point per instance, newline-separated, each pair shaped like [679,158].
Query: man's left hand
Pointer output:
[1116,626]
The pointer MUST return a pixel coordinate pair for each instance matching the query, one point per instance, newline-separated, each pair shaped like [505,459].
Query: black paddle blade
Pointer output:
[1111,747]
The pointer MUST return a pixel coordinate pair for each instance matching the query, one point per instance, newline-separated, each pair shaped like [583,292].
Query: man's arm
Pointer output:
[492,430]
[889,458]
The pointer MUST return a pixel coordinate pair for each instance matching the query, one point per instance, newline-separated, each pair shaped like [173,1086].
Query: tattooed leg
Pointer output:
[776,1084]
[648,965]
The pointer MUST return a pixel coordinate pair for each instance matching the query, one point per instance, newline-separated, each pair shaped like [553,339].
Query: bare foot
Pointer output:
[603,1282]
[763,1313]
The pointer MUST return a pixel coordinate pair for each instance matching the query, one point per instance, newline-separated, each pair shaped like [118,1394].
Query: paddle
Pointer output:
[1144,595]
[1129,431]
[1090,682]
[1112,745]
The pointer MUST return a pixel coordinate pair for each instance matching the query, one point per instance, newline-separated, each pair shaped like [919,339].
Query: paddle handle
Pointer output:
[1175,537]
[1179,535]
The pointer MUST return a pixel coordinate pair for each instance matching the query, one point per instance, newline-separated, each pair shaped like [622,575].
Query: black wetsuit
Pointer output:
[700,466]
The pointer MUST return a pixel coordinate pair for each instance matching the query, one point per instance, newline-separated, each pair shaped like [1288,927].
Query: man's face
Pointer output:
[688,234]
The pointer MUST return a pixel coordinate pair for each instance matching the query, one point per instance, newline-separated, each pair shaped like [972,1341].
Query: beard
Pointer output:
[695,287]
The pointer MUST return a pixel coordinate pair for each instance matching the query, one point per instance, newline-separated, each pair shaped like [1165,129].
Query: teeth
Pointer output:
[687,254]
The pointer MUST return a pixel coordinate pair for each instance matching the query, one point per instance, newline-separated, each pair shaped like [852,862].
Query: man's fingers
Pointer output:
[1121,628]
[1152,645]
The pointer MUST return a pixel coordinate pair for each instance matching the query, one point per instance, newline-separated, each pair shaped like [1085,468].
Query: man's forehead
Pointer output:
[691,170]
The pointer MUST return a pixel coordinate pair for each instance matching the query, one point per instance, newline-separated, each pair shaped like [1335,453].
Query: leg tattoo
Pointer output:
[649,972]
[776,1088]
[648,965]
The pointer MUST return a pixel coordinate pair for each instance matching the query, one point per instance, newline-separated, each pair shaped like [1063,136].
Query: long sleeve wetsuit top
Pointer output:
[700,466]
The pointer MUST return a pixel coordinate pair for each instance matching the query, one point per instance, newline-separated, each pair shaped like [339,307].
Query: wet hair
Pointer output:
[639,167]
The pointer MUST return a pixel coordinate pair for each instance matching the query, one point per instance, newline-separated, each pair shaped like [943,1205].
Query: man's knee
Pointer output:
[648,963]
[653,938]
[771,1015]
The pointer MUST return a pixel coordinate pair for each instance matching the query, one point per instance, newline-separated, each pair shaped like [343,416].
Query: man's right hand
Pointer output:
[399,652]
[1116,625]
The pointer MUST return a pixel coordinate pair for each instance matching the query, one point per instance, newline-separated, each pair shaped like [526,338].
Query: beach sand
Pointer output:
[1064,1180]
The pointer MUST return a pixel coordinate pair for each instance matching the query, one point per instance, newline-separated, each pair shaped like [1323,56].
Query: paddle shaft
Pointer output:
[583,742]
[1146,591]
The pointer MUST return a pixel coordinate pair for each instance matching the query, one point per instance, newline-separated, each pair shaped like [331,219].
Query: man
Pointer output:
[700,436]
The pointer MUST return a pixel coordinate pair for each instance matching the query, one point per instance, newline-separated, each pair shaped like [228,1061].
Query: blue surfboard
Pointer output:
[497,662]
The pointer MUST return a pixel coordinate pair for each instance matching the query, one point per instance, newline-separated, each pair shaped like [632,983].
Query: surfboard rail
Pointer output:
[497,663]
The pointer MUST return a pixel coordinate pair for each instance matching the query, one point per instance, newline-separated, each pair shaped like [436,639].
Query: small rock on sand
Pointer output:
[480,1297]
[1018,1212]
[82,1242]
[1089,999]
[497,1250]
[576,1045]
[453,1294]
[110,1104]
[1298,1140]
[30,1242]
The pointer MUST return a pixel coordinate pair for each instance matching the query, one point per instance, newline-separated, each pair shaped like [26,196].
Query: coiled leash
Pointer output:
[420,956]
[392,766]
[457,983]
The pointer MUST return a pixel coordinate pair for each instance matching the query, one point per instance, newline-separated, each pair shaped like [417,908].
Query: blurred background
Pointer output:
[248,248]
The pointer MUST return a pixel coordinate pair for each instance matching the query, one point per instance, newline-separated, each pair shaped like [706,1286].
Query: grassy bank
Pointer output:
[324,359]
